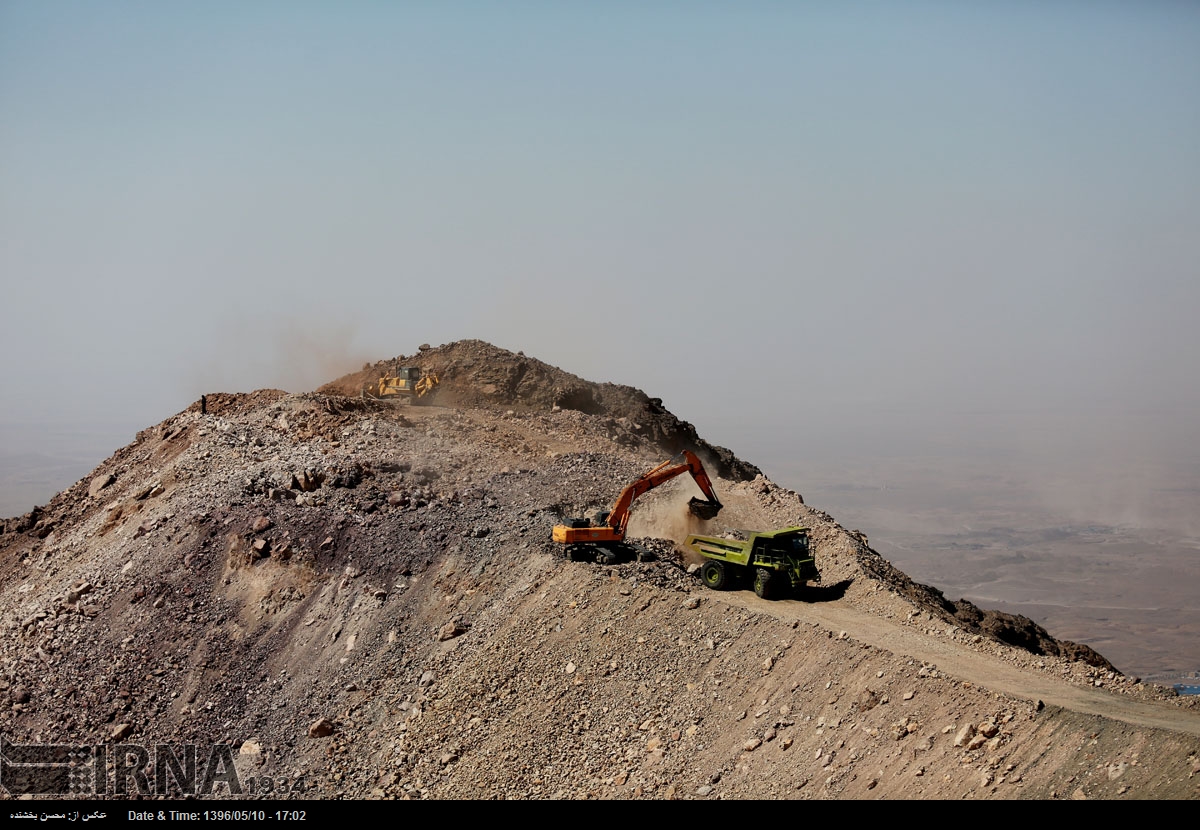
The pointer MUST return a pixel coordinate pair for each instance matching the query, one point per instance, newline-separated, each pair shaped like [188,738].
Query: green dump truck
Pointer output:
[775,561]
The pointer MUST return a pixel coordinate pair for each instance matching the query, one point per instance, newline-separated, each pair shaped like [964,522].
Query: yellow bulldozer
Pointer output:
[409,382]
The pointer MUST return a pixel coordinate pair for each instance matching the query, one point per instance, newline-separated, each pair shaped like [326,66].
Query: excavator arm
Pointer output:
[618,519]
[612,529]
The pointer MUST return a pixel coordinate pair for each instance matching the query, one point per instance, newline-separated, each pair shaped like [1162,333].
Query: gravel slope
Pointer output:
[361,598]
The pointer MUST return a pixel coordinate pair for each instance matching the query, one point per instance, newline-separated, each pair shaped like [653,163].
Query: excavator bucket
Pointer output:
[704,509]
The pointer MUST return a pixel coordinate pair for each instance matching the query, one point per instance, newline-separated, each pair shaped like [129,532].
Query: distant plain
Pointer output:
[1099,547]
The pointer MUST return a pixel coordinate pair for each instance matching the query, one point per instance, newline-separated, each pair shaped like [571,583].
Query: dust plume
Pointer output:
[664,514]
[294,355]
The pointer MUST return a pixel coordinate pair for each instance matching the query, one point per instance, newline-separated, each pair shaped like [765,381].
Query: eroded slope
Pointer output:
[285,565]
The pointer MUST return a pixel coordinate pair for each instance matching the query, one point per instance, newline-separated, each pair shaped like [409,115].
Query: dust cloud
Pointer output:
[293,355]
[664,514]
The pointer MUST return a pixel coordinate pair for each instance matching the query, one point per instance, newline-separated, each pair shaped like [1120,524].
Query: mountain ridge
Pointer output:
[244,574]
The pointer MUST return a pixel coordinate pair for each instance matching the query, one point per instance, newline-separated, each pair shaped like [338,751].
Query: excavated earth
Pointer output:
[362,600]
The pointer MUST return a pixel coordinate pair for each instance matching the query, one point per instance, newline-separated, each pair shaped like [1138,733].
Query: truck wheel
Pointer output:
[714,575]
[764,583]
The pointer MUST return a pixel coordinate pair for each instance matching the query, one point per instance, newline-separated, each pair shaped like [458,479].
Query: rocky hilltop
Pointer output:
[478,375]
[361,599]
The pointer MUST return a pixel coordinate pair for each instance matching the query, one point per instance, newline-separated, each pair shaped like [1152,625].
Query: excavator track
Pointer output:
[610,553]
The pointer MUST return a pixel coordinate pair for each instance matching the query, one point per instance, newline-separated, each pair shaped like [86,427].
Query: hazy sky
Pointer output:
[837,221]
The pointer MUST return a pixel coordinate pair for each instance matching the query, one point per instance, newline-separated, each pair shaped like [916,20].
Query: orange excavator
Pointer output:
[604,539]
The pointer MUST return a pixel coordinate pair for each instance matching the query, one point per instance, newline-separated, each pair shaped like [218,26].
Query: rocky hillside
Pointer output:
[478,375]
[361,598]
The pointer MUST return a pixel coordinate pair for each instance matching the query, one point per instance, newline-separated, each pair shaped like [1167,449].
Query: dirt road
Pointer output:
[978,668]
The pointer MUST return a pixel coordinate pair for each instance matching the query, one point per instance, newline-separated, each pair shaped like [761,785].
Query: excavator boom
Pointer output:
[618,519]
[613,528]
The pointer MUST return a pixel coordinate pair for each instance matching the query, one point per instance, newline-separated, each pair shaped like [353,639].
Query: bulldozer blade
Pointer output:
[704,509]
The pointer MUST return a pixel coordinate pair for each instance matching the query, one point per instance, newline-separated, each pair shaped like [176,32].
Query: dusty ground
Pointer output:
[362,597]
